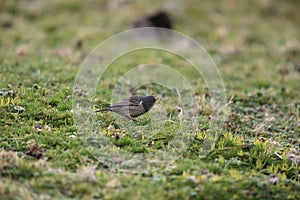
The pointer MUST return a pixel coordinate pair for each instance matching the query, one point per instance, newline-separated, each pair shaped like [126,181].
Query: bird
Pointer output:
[160,19]
[132,107]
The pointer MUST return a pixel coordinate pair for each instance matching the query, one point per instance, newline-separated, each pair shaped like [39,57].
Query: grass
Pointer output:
[257,48]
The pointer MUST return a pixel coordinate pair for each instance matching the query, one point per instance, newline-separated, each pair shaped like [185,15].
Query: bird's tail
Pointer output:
[104,109]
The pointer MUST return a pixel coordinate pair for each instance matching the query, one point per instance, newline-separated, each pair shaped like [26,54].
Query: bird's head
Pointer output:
[148,102]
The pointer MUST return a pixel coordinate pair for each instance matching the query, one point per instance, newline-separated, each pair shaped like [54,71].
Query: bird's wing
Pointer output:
[134,100]
[121,104]
[128,102]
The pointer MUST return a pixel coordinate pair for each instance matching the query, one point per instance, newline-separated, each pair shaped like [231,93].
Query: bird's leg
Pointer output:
[131,118]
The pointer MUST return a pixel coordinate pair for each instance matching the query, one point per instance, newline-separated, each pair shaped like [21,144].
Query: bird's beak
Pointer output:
[156,97]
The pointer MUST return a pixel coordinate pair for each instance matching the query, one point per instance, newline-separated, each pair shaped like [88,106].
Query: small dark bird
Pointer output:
[132,107]
[159,19]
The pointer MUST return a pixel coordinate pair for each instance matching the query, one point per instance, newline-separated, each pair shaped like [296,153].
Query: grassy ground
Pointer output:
[256,45]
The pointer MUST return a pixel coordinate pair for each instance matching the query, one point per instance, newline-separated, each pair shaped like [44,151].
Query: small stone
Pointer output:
[19,109]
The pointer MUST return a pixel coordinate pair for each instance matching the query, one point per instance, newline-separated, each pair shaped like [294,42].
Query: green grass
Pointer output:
[257,48]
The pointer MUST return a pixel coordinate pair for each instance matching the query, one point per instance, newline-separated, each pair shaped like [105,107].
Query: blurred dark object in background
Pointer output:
[159,19]
[7,24]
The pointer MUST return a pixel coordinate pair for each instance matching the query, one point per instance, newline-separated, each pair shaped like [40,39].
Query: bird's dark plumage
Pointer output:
[148,102]
[132,107]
